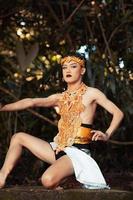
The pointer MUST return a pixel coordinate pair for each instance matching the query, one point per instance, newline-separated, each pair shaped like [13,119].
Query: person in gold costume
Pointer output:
[68,154]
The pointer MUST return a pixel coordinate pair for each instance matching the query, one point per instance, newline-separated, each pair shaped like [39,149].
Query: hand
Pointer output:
[57,150]
[99,135]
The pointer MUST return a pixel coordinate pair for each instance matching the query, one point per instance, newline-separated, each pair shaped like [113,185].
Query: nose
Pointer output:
[68,70]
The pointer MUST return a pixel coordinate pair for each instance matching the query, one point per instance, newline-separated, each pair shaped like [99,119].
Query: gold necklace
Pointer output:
[75,91]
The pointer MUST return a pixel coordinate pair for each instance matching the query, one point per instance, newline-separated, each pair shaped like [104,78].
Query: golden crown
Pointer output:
[73,58]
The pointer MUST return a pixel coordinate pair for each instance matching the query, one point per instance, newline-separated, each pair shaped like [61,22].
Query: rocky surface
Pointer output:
[39,193]
[121,189]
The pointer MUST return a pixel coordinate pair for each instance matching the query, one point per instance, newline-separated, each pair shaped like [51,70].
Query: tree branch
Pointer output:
[74,12]
[120,143]
[104,36]
[58,21]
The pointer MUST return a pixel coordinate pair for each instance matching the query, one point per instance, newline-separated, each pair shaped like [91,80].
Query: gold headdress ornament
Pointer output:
[73,58]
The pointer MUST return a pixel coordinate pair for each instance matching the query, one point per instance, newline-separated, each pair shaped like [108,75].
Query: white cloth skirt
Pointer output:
[85,167]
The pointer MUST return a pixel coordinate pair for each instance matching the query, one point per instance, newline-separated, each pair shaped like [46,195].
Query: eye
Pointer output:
[73,66]
[64,67]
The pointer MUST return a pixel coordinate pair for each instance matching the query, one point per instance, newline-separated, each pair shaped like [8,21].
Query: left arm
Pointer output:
[117,116]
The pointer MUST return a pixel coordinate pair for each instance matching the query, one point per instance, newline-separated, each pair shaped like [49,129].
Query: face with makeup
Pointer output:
[72,71]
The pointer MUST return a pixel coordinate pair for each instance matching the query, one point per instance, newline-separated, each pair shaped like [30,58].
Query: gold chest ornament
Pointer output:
[70,107]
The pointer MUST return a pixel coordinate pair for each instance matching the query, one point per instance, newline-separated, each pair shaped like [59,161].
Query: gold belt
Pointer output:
[84,135]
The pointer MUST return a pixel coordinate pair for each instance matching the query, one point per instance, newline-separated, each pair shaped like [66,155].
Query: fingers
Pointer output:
[57,151]
[98,135]
[95,135]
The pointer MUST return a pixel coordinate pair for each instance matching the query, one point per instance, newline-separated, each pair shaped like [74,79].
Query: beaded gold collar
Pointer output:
[70,107]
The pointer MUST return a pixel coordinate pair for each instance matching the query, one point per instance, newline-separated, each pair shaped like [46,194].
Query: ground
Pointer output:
[39,193]
[121,189]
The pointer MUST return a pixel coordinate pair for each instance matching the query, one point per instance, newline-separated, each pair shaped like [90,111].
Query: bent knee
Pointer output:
[17,137]
[48,181]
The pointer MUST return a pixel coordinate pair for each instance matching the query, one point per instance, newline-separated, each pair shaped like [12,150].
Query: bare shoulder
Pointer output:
[94,92]
[94,95]
[54,98]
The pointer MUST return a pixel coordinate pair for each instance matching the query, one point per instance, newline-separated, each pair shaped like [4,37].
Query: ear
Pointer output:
[83,71]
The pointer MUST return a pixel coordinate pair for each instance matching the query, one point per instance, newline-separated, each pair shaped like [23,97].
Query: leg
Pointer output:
[38,147]
[56,172]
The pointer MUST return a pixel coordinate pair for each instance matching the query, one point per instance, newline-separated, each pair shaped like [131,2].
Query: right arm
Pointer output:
[32,102]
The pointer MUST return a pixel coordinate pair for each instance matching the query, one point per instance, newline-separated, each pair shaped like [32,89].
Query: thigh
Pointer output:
[38,147]
[60,169]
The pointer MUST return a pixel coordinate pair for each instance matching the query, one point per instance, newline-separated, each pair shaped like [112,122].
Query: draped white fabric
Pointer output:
[85,167]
